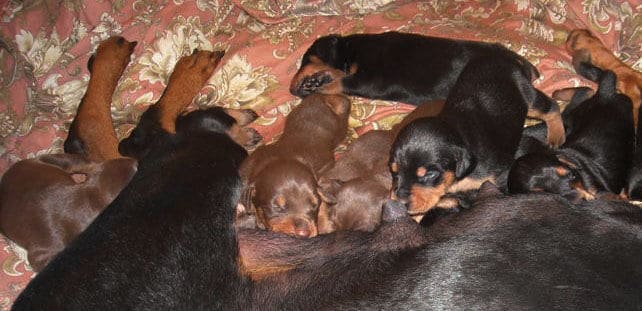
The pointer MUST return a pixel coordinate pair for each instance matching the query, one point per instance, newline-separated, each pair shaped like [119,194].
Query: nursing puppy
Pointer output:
[91,133]
[358,185]
[47,201]
[473,139]
[282,177]
[166,241]
[596,156]
[586,48]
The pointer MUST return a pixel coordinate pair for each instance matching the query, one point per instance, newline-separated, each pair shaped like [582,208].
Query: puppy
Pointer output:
[91,133]
[473,139]
[175,212]
[282,177]
[47,201]
[188,78]
[596,156]
[584,47]
[355,189]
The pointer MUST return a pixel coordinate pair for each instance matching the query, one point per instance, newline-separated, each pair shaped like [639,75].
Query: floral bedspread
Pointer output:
[45,45]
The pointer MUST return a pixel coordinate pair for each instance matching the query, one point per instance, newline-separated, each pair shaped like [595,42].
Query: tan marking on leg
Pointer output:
[317,66]
[93,119]
[188,77]
[556,134]
[469,183]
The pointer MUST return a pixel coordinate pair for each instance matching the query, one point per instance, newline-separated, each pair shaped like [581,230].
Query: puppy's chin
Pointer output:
[299,227]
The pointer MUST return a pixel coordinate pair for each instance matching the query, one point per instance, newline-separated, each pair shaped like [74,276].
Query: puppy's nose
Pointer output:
[301,229]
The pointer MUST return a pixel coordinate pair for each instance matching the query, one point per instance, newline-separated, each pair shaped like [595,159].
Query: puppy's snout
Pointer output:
[302,228]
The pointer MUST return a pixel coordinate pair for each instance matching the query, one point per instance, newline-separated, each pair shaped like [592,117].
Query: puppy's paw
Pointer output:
[192,72]
[327,81]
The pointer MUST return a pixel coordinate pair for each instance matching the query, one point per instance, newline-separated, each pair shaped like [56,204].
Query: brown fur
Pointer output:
[282,175]
[188,78]
[92,125]
[583,46]
[47,201]
[360,182]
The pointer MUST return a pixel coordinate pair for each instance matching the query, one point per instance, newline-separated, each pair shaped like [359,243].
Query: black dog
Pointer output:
[597,153]
[166,242]
[522,252]
[404,67]
[475,137]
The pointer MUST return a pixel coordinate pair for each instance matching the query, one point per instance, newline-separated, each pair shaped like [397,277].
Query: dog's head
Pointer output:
[425,160]
[547,172]
[285,198]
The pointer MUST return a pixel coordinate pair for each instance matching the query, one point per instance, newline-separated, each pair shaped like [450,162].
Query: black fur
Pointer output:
[477,133]
[166,242]
[404,67]
[141,139]
[599,145]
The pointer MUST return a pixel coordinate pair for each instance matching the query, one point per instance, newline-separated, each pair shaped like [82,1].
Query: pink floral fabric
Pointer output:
[44,48]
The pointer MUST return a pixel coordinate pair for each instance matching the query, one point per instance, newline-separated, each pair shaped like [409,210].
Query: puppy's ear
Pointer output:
[465,164]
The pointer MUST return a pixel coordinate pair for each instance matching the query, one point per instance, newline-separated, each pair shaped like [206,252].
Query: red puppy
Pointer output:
[282,176]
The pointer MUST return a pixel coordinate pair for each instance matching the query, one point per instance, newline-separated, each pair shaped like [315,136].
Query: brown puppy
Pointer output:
[188,78]
[358,185]
[91,133]
[282,177]
[47,201]
[584,47]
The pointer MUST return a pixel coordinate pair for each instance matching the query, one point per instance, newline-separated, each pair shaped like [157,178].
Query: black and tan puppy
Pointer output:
[175,212]
[473,139]
[282,177]
[358,185]
[596,156]
[91,133]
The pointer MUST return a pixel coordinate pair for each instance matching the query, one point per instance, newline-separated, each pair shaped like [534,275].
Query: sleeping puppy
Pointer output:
[404,67]
[174,213]
[472,140]
[596,156]
[188,77]
[91,133]
[282,177]
[358,185]
[586,48]
[47,201]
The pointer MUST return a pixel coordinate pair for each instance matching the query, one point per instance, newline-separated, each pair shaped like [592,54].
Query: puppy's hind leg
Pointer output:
[547,110]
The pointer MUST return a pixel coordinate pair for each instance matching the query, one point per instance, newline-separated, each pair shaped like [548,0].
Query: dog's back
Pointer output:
[520,252]
[176,213]
[487,107]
